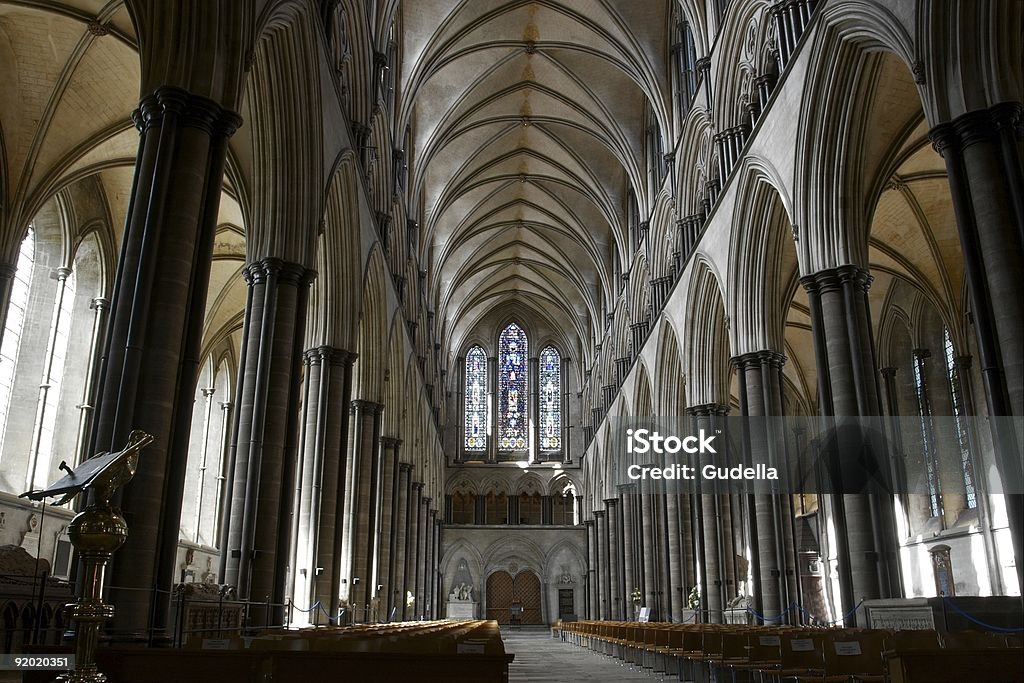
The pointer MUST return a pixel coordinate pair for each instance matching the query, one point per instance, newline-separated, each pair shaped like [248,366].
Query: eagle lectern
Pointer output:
[96,533]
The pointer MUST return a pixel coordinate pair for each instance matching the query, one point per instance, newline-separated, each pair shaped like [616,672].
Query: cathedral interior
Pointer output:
[382,278]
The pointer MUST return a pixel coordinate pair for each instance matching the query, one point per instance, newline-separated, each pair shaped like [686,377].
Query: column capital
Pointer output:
[99,303]
[627,489]
[611,502]
[360,405]
[708,410]
[390,442]
[598,514]
[921,354]
[888,373]
[588,522]
[427,500]
[417,486]
[405,467]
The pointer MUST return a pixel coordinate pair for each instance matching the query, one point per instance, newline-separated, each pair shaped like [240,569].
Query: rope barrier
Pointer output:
[979,622]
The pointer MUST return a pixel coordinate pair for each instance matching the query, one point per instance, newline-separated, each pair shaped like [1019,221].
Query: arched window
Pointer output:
[463,508]
[563,508]
[927,435]
[512,412]
[14,325]
[530,508]
[686,65]
[475,432]
[550,399]
[496,508]
[957,401]
[52,381]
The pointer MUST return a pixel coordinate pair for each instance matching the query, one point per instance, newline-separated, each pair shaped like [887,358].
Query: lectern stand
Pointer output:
[96,532]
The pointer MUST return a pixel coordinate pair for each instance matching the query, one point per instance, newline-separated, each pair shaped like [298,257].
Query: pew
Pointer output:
[436,652]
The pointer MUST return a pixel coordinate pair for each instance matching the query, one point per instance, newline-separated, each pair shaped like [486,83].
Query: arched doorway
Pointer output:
[503,590]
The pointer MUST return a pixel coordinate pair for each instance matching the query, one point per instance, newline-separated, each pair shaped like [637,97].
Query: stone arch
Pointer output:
[762,261]
[368,374]
[708,349]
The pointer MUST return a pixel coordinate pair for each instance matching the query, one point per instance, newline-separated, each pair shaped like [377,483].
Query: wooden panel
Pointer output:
[499,596]
[526,590]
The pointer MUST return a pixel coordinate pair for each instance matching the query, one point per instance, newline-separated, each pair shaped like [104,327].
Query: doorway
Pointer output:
[503,590]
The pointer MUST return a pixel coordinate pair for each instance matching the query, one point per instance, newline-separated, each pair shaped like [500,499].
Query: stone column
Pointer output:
[604,589]
[460,410]
[546,510]
[322,470]
[412,547]
[266,424]
[99,306]
[709,529]
[479,509]
[151,362]
[592,597]
[533,389]
[365,459]
[757,400]
[566,451]
[845,357]
[401,555]
[626,496]
[982,152]
[430,578]
[674,590]
[389,501]
[492,402]
[615,601]
[332,556]
[648,546]
[422,531]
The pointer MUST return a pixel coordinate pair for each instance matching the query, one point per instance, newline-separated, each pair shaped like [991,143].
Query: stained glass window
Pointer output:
[512,415]
[550,399]
[476,400]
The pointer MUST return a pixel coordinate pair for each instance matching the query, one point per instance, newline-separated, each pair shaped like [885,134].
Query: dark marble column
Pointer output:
[151,359]
[603,587]
[712,571]
[592,581]
[388,506]
[429,576]
[412,548]
[533,383]
[365,417]
[401,555]
[267,425]
[982,151]
[629,574]
[864,523]
[422,532]
[492,401]
[328,380]
[761,397]
[616,600]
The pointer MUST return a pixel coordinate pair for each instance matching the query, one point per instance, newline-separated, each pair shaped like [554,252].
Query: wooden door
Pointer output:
[499,596]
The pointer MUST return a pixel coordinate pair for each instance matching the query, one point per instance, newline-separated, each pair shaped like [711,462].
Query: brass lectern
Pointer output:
[96,532]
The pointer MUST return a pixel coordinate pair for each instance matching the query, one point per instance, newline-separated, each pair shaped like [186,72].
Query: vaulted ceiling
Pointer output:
[527,127]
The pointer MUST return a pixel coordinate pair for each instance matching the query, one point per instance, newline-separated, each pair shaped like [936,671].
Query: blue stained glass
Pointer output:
[512,410]
[475,436]
[550,399]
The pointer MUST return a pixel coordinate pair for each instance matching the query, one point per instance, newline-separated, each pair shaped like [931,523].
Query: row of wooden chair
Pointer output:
[426,652]
[740,653]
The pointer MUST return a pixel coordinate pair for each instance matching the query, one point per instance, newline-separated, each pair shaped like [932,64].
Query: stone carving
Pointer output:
[461,593]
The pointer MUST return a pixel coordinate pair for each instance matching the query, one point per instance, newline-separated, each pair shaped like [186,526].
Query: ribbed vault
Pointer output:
[526,124]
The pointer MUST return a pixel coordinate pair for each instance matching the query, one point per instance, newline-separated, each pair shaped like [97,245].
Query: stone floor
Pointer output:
[543,659]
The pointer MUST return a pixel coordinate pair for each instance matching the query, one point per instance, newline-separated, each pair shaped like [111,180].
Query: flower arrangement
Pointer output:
[636,596]
[693,598]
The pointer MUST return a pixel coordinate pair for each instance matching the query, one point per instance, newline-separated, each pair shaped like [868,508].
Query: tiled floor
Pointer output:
[543,659]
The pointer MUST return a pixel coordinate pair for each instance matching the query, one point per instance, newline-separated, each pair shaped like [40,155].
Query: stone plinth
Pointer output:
[461,609]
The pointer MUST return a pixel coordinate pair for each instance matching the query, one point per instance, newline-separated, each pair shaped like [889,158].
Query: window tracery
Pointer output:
[512,389]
